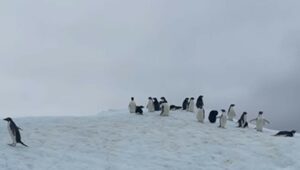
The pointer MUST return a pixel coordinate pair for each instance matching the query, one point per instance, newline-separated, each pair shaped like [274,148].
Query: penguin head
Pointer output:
[132,98]
[244,113]
[150,98]
[192,98]
[232,105]
[8,119]
[223,110]
[260,112]
[293,131]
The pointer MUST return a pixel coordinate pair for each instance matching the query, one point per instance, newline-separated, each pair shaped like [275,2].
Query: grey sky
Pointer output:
[81,57]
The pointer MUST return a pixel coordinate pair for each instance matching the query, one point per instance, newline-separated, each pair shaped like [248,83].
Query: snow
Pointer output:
[118,140]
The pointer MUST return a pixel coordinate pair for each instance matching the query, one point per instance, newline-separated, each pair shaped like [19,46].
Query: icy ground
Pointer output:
[117,140]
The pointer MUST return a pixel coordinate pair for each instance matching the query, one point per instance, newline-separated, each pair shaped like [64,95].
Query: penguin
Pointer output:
[231,113]
[173,107]
[139,110]
[132,106]
[14,132]
[223,119]
[286,133]
[200,115]
[162,100]
[150,105]
[191,106]
[199,103]
[260,122]
[185,104]
[243,120]
[156,104]
[165,108]
[213,116]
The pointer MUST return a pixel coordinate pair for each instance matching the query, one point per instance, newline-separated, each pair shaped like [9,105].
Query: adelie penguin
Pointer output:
[231,113]
[139,110]
[150,105]
[213,116]
[200,115]
[156,104]
[14,132]
[165,108]
[243,121]
[185,104]
[199,103]
[223,119]
[173,107]
[286,133]
[191,107]
[260,122]
[132,106]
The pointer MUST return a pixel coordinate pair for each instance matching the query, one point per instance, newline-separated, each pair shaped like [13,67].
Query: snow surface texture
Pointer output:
[118,140]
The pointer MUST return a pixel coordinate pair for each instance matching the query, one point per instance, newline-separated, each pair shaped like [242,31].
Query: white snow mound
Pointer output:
[118,140]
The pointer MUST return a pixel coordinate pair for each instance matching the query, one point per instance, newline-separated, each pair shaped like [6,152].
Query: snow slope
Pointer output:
[119,140]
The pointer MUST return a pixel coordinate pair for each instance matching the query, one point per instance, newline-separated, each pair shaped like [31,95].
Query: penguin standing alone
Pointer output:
[231,113]
[223,119]
[260,122]
[14,132]
[132,106]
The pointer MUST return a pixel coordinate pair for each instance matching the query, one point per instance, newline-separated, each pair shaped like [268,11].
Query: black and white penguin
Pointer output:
[156,104]
[150,105]
[231,113]
[223,119]
[139,110]
[243,120]
[165,108]
[286,133]
[132,106]
[260,121]
[213,116]
[173,107]
[163,100]
[200,115]
[185,104]
[14,132]
[199,103]
[191,107]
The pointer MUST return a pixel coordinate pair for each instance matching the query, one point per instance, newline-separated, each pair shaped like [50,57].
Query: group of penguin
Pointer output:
[189,105]
[163,106]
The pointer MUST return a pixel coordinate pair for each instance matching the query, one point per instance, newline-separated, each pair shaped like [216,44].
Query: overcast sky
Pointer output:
[80,57]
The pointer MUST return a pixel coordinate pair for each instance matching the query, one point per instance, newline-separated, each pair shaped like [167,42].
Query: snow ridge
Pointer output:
[118,140]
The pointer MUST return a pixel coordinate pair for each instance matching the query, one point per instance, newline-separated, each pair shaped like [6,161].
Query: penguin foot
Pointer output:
[12,144]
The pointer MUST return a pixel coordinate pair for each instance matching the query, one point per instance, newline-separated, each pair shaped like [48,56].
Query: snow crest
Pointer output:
[117,140]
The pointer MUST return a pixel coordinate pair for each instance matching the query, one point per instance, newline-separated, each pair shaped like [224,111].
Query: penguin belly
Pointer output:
[165,110]
[191,106]
[223,121]
[259,124]
[200,115]
[13,137]
[231,114]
